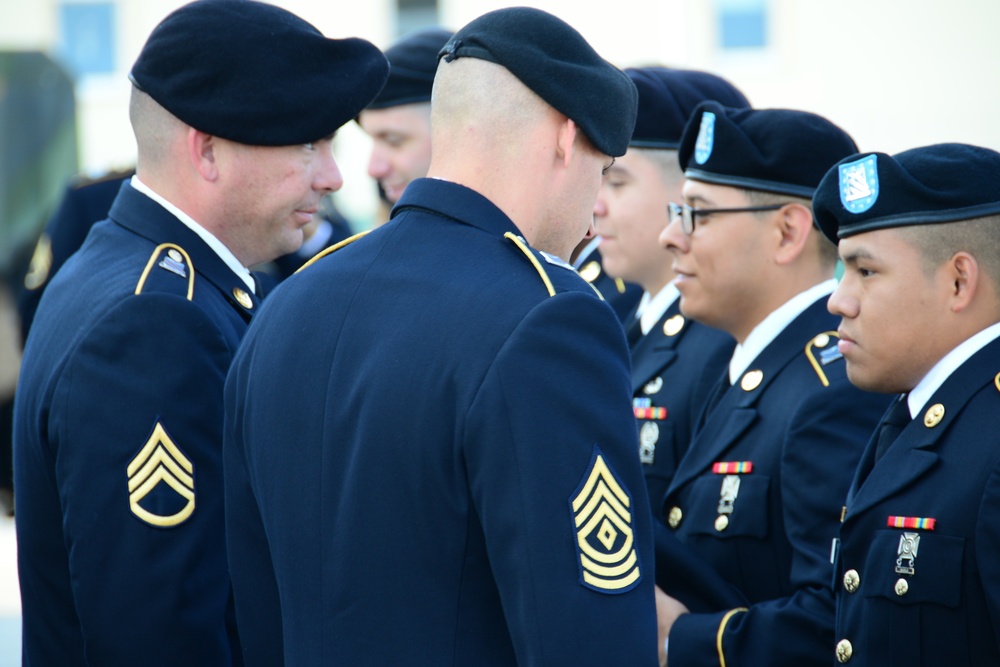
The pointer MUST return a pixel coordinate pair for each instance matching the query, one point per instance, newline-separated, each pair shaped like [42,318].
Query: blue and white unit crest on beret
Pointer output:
[706,138]
[859,184]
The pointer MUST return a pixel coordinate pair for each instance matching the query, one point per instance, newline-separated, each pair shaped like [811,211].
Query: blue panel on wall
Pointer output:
[87,37]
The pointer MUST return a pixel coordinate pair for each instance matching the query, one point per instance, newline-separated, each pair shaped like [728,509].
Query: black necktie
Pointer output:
[895,421]
[722,385]
[634,332]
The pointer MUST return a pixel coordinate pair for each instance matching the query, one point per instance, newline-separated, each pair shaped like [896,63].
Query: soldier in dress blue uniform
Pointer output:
[917,569]
[118,416]
[675,361]
[473,495]
[759,492]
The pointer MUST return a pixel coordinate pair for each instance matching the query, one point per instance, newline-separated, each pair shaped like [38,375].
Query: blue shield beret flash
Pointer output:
[933,184]
[783,151]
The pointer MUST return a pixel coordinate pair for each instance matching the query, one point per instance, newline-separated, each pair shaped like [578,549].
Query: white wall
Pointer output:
[893,73]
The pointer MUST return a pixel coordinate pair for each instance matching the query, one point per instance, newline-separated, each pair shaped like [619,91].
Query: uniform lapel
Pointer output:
[656,350]
[147,218]
[912,454]
[724,426]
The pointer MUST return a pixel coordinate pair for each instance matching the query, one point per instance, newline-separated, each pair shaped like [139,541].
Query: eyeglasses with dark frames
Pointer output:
[688,214]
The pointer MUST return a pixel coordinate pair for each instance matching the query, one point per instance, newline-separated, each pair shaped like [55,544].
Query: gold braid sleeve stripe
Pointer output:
[722,630]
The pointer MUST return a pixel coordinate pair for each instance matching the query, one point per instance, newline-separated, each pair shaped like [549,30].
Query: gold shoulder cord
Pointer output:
[152,259]
[334,248]
[818,340]
[534,260]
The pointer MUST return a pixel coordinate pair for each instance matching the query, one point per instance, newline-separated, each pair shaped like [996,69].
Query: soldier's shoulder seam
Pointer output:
[536,256]
[332,249]
[83,180]
[522,245]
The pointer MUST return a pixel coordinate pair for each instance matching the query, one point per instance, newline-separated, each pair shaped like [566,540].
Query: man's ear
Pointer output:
[201,149]
[793,225]
[566,141]
[963,272]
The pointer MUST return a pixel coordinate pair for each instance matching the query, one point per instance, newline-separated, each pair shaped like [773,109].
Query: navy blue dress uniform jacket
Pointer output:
[118,456]
[942,605]
[430,456]
[802,426]
[674,367]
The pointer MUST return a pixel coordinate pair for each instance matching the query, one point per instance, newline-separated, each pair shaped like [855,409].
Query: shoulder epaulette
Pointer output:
[822,350]
[523,247]
[334,248]
[84,180]
[549,258]
[173,258]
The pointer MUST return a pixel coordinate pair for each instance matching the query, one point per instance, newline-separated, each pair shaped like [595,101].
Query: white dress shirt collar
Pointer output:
[948,364]
[215,244]
[772,325]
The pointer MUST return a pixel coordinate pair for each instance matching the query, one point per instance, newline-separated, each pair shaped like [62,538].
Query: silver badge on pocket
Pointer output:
[907,553]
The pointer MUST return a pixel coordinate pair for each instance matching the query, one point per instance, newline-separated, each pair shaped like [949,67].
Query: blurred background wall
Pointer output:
[894,73]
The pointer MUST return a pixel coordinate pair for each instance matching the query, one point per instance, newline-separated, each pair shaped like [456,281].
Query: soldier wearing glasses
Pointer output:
[759,493]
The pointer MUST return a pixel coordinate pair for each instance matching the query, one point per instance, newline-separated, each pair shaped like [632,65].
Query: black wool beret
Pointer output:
[412,63]
[928,185]
[255,73]
[773,150]
[668,96]
[557,64]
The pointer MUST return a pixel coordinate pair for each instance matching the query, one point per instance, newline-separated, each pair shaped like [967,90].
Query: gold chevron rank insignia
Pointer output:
[604,540]
[161,482]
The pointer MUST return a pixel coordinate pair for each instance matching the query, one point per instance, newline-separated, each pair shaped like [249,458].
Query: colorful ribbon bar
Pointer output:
[732,467]
[650,413]
[918,522]
[642,402]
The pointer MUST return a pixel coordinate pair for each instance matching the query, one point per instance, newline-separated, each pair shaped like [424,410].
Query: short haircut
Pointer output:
[937,243]
[827,250]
